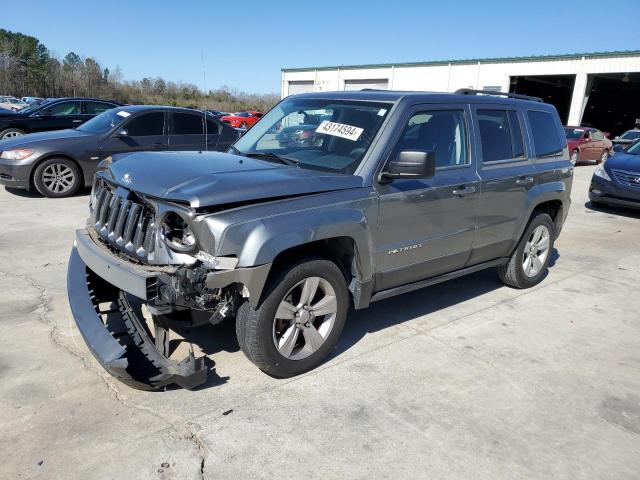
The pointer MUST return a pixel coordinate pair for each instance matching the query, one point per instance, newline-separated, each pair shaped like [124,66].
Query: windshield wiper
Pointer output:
[273,156]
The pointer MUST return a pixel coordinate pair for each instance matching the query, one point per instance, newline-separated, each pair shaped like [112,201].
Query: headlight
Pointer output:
[177,234]
[602,173]
[17,154]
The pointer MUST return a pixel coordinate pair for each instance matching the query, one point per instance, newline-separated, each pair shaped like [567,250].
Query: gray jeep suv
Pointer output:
[395,191]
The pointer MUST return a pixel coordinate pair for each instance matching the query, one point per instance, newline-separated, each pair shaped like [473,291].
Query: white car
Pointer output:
[12,103]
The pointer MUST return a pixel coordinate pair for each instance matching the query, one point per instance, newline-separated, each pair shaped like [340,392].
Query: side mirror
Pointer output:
[121,134]
[411,164]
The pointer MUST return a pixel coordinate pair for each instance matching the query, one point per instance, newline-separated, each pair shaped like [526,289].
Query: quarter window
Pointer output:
[187,124]
[213,127]
[440,131]
[146,125]
[546,139]
[597,135]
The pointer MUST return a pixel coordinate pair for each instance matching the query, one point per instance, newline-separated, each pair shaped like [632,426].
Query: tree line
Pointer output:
[28,68]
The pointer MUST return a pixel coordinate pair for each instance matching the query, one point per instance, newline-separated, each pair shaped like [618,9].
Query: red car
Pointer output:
[586,143]
[242,119]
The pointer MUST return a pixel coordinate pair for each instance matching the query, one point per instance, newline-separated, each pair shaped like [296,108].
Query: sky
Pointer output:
[245,44]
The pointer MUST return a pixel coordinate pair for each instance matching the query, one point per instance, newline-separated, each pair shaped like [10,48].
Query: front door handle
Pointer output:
[464,190]
[526,180]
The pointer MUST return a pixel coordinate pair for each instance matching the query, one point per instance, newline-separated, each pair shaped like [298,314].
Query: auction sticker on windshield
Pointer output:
[340,130]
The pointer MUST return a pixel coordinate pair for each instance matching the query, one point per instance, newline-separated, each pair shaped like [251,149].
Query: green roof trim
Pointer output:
[532,58]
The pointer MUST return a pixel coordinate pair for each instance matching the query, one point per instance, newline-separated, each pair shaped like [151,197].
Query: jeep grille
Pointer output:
[122,222]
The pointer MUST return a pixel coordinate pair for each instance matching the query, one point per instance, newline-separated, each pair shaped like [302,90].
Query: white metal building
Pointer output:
[599,89]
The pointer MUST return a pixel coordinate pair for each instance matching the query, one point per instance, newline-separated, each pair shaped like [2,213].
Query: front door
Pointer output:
[59,116]
[426,226]
[144,132]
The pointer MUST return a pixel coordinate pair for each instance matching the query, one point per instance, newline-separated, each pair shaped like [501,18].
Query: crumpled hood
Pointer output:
[211,178]
[32,139]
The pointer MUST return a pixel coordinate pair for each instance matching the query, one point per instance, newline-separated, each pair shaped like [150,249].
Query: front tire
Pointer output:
[10,133]
[575,157]
[528,264]
[57,178]
[603,157]
[299,320]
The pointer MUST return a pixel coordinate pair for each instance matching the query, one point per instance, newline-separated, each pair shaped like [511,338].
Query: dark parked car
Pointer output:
[55,114]
[587,144]
[403,190]
[617,181]
[58,163]
[624,140]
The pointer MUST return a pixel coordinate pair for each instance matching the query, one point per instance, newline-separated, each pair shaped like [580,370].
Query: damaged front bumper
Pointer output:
[105,294]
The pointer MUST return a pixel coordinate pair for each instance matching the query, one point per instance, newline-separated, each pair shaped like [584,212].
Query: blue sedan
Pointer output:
[616,182]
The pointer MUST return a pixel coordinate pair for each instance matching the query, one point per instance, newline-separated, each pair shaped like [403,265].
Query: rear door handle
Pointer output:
[159,145]
[77,121]
[526,180]
[464,190]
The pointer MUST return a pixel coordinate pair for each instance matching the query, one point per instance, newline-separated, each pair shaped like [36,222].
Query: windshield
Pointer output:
[104,122]
[631,135]
[634,148]
[321,134]
[573,133]
[35,106]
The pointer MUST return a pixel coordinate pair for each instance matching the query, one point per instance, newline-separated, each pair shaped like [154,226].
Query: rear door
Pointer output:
[186,131]
[144,132]
[507,176]
[426,226]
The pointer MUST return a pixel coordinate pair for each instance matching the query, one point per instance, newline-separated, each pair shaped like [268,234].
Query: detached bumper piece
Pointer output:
[118,335]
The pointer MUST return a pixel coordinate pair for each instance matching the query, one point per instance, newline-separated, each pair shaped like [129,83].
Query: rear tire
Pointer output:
[529,263]
[286,313]
[57,178]
[10,133]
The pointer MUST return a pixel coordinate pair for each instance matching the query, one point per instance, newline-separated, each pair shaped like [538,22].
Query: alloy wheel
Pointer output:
[11,135]
[305,318]
[58,178]
[574,157]
[536,251]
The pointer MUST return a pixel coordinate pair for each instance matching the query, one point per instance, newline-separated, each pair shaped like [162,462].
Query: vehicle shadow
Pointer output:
[426,301]
[619,211]
[19,192]
[212,339]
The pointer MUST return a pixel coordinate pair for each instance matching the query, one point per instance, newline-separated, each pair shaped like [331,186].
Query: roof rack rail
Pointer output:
[469,91]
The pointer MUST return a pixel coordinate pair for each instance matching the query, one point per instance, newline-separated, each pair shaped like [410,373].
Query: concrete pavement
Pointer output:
[466,379]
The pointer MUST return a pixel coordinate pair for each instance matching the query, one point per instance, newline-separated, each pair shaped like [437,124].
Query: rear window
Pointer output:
[546,140]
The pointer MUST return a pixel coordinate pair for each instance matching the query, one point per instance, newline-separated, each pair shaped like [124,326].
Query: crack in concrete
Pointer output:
[43,314]
[191,434]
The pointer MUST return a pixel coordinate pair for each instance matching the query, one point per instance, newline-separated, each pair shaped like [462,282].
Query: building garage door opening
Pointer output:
[297,87]
[553,89]
[376,84]
[612,102]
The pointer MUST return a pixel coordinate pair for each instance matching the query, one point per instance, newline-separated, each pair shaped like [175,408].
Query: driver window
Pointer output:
[64,108]
[440,131]
[146,125]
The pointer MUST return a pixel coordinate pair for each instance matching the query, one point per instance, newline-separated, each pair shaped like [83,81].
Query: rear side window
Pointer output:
[213,127]
[597,135]
[495,135]
[516,135]
[546,139]
[187,124]
[146,125]
[96,108]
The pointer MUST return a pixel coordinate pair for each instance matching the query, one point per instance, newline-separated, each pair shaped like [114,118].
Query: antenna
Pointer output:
[204,110]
